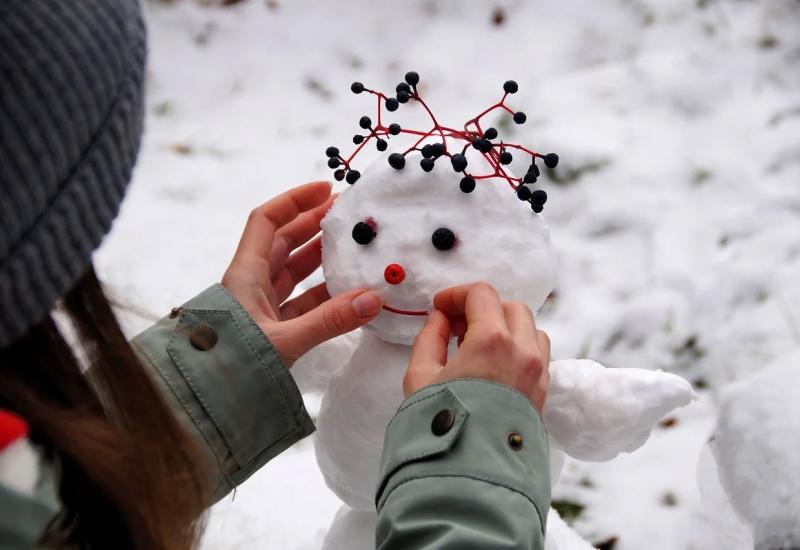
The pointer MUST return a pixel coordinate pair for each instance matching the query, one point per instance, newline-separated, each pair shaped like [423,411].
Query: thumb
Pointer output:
[339,315]
[429,353]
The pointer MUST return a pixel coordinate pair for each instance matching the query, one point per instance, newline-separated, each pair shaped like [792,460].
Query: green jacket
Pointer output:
[465,463]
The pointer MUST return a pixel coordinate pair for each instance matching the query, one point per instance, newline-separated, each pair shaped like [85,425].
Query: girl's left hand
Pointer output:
[279,248]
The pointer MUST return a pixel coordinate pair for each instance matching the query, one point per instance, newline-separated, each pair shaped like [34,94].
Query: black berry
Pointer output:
[394,128]
[332,152]
[523,193]
[339,175]
[381,145]
[490,133]
[403,87]
[366,123]
[443,239]
[437,149]
[482,145]
[533,170]
[363,233]
[403,96]
[412,78]
[539,197]
[358,139]
[510,87]
[467,184]
[520,117]
[506,157]
[551,160]
[392,104]
[537,208]
[352,176]
[427,151]
[529,178]
[459,162]
[357,87]
[334,162]
[426,164]
[397,161]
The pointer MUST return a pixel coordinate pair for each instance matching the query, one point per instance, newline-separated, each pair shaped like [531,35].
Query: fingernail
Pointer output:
[367,304]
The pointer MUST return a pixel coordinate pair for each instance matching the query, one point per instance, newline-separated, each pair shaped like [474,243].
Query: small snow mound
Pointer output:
[561,537]
[756,446]
[594,413]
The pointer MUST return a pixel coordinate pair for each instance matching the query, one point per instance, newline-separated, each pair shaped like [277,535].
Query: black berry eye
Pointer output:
[443,239]
[363,233]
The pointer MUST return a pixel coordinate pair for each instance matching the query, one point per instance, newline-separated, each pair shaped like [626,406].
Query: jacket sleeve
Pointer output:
[465,465]
[226,383]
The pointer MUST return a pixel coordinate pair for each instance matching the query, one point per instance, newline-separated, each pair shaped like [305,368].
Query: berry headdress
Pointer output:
[452,143]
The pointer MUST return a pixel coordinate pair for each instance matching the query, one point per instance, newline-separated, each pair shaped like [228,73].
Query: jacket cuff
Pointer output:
[472,429]
[226,382]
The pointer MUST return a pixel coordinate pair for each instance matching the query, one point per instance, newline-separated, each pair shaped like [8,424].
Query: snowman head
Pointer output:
[409,234]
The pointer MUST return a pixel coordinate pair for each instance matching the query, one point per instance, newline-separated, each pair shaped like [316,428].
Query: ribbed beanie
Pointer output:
[71,110]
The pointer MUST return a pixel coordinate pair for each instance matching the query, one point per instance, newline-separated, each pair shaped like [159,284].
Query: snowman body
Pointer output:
[498,240]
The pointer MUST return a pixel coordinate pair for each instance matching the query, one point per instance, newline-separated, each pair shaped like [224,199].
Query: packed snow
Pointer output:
[498,239]
[756,444]
[675,209]
[593,413]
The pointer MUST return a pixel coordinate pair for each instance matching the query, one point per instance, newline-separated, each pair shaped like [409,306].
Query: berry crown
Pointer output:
[448,142]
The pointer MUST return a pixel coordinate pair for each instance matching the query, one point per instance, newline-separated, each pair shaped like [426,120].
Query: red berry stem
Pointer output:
[473,134]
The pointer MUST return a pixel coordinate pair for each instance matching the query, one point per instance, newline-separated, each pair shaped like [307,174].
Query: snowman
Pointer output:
[410,231]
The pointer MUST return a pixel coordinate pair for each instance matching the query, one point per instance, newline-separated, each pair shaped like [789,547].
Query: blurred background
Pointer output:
[675,208]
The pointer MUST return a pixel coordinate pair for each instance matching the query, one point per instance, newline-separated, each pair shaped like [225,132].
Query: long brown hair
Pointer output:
[129,476]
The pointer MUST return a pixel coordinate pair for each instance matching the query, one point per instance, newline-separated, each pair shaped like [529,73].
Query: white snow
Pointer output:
[594,413]
[498,239]
[756,445]
[675,213]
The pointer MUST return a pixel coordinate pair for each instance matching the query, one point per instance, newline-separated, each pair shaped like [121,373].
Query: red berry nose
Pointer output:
[394,274]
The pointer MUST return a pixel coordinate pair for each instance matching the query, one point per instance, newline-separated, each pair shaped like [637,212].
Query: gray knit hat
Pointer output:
[71,94]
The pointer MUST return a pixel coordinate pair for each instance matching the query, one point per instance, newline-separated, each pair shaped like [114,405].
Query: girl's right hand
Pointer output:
[498,342]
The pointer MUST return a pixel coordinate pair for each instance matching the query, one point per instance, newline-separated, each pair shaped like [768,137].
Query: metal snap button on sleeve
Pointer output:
[515,441]
[442,422]
[203,337]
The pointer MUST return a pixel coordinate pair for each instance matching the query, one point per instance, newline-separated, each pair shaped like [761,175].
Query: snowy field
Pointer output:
[675,209]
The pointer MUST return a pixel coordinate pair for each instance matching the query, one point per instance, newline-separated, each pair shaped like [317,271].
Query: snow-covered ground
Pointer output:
[676,206]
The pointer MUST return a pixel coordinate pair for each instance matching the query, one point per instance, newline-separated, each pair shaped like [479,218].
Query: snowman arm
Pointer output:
[594,413]
[435,486]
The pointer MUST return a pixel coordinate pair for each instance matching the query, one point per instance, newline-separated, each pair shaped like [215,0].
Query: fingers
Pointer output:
[430,345]
[304,303]
[544,348]
[300,265]
[478,302]
[429,353]
[520,321]
[268,218]
[339,315]
[296,233]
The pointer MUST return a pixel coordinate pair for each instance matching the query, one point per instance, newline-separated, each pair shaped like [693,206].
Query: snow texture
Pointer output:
[593,413]
[756,445]
[407,206]
[674,209]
